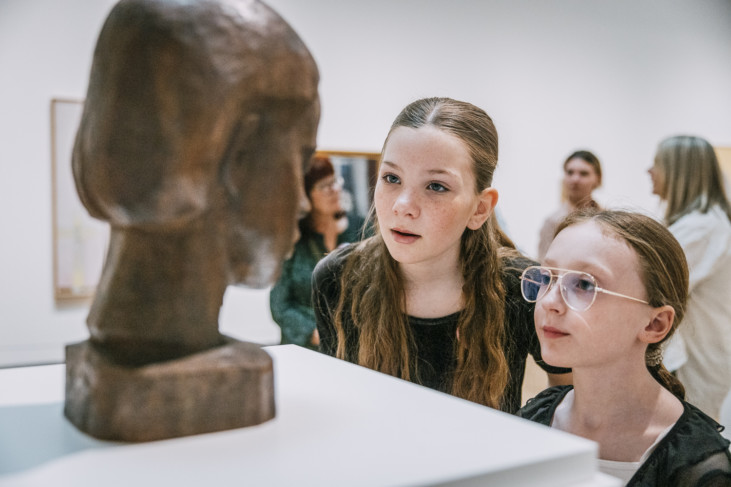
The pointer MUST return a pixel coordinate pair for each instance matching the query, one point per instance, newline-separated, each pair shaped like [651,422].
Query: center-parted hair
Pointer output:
[663,270]
[372,291]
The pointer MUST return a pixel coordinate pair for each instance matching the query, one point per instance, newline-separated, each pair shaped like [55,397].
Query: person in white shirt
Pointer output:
[687,177]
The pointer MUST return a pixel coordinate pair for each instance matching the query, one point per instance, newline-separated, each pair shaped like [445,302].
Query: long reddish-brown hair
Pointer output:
[372,290]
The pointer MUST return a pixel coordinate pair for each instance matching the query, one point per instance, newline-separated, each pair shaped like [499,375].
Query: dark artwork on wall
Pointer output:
[198,122]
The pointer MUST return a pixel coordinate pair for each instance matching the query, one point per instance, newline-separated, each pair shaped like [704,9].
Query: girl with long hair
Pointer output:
[686,175]
[432,297]
[612,288]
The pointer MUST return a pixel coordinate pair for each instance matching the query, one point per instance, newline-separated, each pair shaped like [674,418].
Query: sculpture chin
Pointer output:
[262,264]
[261,279]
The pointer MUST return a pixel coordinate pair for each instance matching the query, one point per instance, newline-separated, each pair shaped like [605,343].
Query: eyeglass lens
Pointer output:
[330,184]
[578,289]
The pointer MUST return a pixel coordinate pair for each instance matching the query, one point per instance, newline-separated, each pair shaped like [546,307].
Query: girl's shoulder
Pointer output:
[698,434]
[514,263]
[332,265]
[714,220]
[541,408]
[692,453]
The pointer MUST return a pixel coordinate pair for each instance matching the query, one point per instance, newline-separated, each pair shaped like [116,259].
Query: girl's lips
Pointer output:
[551,332]
[403,236]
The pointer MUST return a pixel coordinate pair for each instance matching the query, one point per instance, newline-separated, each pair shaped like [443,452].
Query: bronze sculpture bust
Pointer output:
[198,122]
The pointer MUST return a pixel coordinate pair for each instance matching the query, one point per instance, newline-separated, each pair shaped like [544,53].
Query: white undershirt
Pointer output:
[625,470]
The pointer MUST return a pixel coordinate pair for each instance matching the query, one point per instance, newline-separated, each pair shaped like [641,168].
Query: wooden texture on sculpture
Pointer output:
[198,122]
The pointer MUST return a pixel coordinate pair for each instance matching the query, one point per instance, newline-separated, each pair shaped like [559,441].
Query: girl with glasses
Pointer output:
[687,177]
[432,297]
[613,288]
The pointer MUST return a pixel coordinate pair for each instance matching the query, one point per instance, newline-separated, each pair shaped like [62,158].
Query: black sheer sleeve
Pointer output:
[714,471]
[540,409]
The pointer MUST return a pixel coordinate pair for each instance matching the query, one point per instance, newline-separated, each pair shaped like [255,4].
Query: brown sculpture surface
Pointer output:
[198,122]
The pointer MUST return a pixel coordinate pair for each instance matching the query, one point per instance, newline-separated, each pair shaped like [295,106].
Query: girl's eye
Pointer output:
[439,188]
[545,279]
[390,178]
[584,285]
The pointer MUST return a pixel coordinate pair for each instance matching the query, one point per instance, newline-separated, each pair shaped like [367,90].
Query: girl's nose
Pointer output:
[553,300]
[405,204]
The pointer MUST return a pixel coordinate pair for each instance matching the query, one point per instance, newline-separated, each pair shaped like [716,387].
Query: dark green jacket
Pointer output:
[290,298]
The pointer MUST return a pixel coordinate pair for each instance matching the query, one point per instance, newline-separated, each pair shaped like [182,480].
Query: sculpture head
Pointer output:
[200,112]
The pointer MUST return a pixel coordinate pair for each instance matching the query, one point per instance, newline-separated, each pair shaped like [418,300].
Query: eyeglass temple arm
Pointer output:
[620,295]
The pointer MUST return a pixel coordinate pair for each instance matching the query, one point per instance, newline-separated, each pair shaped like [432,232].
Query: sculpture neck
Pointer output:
[160,294]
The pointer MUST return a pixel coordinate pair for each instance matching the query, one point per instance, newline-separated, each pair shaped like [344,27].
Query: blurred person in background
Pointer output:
[688,179]
[325,227]
[582,175]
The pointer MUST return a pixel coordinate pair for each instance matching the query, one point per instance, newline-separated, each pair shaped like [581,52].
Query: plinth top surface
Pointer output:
[336,424]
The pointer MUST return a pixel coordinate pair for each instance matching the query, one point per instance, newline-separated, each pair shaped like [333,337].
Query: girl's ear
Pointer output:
[486,204]
[661,322]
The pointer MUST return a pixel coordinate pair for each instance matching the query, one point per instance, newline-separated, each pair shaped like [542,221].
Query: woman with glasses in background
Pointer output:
[687,177]
[326,226]
[612,289]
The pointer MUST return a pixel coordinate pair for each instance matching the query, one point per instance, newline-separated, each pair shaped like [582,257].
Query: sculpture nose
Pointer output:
[305,206]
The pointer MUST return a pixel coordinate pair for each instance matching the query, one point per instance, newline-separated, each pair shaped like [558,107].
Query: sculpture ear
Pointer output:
[239,150]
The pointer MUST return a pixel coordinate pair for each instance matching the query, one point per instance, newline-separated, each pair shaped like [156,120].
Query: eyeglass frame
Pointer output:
[336,183]
[555,278]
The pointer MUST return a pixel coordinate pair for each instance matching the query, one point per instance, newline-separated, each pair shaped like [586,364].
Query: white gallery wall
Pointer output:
[612,76]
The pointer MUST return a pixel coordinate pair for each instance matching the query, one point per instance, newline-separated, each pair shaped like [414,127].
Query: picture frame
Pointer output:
[724,160]
[359,171]
[79,241]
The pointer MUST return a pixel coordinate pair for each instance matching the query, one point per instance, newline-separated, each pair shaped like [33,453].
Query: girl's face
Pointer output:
[579,180]
[425,196]
[609,330]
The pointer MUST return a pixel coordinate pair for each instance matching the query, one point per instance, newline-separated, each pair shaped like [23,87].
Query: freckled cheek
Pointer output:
[446,220]
[383,204]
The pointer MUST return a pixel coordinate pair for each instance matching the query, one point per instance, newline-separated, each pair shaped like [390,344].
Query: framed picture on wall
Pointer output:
[79,241]
[359,171]
[724,160]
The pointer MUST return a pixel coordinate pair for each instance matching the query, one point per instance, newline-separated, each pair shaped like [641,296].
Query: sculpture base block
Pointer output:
[226,387]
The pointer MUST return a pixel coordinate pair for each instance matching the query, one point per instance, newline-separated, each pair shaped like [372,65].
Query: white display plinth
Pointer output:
[337,424]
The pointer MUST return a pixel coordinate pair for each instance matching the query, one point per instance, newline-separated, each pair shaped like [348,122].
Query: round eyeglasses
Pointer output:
[329,185]
[578,289]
